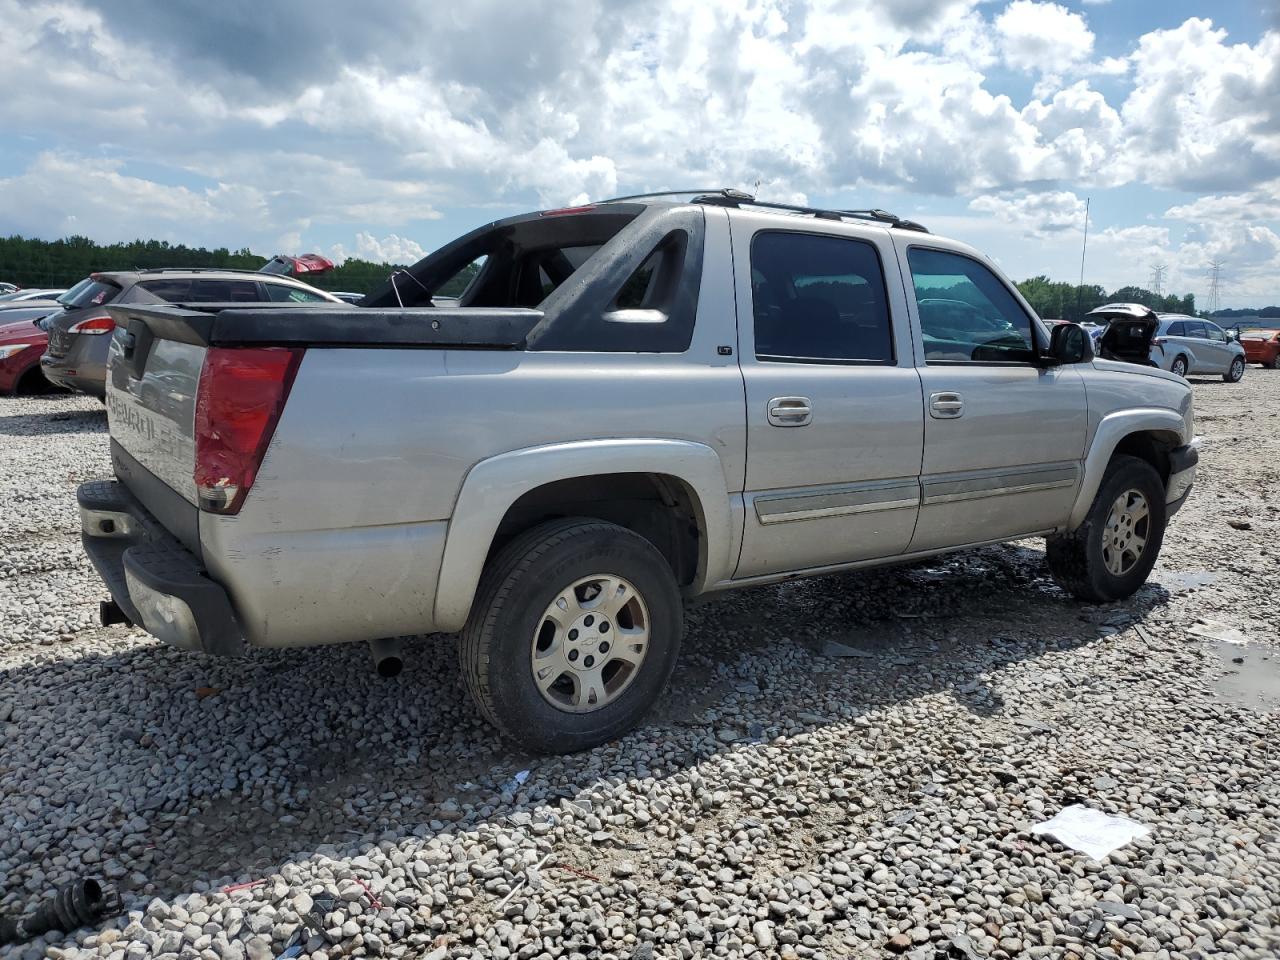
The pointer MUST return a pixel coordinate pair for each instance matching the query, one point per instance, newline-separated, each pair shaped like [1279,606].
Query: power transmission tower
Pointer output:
[1215,285]
[1157,279]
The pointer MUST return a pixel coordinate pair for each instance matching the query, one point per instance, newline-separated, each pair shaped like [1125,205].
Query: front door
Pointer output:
[834,413]
[1004,438]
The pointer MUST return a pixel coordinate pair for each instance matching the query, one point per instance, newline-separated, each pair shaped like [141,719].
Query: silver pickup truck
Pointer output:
[632,402]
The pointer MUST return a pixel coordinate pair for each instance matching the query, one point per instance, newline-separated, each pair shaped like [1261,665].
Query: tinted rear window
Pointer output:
[819,298]
[89,293]
[187,290]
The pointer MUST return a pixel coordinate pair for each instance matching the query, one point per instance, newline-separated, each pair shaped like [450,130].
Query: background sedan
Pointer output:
[1261,342]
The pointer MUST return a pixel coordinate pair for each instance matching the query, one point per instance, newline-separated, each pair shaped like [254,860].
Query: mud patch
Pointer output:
[1249,676]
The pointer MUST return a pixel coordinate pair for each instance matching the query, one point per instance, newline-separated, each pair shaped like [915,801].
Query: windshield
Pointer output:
[89,292]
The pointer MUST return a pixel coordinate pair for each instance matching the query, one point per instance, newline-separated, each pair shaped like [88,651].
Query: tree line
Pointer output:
[29,262]
[1070,301]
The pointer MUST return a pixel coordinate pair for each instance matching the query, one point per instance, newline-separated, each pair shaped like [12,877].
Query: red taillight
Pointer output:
[94,325]
[1157,341]
[238,404]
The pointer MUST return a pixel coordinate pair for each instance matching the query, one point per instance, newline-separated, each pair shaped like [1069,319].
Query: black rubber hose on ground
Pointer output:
[75,905]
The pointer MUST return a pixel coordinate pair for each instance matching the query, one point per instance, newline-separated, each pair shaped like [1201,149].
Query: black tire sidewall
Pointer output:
[598,549]
[1126,473]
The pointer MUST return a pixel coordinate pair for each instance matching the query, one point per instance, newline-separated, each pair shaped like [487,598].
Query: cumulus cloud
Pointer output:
[60,194]
[1036,214]
[1260,204]
[390,249]
[258,123]
[1042,37]
[1203,115]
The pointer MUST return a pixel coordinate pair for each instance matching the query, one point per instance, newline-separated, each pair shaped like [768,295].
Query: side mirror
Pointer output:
[1069,343]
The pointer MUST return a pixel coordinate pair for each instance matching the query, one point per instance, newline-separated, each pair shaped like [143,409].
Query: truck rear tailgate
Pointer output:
[158,352]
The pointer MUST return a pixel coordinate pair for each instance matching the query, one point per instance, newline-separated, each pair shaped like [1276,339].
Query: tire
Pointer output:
[1273,363]
[1235,372]
[555,562]
[1179,366]
[1079,560]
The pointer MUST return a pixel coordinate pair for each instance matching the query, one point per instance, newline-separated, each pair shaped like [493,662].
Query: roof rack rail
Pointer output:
[194,270]
[729,197]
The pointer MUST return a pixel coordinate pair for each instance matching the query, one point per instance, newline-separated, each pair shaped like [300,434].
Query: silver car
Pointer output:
[1186,345]
[1178,343]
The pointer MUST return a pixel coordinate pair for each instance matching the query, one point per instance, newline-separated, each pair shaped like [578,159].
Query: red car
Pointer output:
[21,344]
[1261,342]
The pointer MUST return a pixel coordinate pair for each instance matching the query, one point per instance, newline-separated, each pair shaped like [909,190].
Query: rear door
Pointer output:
[1003,438]
[834,415]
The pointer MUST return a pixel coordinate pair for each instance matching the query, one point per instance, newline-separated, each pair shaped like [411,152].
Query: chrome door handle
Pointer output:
[790,411]
[946,405]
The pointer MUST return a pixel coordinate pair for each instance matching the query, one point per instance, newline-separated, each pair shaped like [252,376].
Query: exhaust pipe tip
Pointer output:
[387,660]
[110,614]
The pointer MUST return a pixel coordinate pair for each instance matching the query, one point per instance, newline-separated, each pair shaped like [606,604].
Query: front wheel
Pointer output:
[1235,372]
[574,633]
[1109,556]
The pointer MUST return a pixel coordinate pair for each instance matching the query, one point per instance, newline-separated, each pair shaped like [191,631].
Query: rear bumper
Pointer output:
[154,579]
[1182,475]
[78,370]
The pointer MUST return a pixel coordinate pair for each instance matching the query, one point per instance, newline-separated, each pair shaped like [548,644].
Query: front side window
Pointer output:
[1195,328]
[819,299]
[1215,332]
[284,293]
[966,313]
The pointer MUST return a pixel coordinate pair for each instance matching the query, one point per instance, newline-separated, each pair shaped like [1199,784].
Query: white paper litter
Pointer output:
[1091,831]
[1219,631]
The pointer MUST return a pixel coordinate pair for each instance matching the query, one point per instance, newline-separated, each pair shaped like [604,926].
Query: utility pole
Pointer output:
[1215,286]
[1157,279]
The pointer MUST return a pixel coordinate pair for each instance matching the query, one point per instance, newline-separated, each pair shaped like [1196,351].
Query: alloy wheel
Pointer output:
[1125,536]
[589,643]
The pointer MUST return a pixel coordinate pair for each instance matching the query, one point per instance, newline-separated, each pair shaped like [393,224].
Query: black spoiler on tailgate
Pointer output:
[287,324]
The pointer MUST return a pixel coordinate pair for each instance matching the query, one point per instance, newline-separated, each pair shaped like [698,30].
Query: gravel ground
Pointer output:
[783,800]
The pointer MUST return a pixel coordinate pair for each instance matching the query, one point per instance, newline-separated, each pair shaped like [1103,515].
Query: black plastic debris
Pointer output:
[322,904]
[75,905]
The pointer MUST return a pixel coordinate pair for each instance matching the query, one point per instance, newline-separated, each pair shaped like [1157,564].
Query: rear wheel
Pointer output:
[1235,371]
[574,633]
[1179,366]
[1274,362]
[1111,554]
